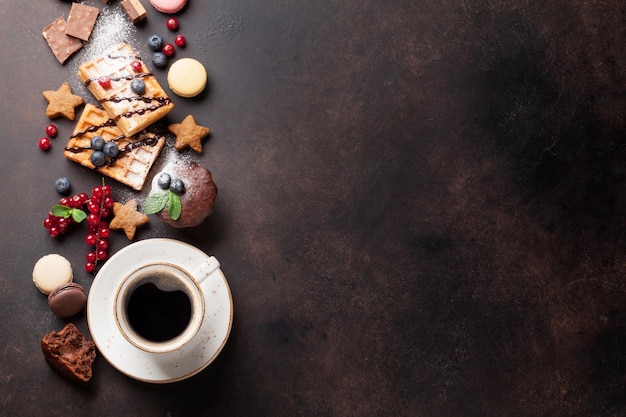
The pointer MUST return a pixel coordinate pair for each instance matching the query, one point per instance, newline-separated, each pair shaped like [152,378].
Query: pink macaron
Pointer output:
[67,300]
[168,6]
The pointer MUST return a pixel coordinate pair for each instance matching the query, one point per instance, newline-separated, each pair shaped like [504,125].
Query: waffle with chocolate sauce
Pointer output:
[109,79]
[136,155]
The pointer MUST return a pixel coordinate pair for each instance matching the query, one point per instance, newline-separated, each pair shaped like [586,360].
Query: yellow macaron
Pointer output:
[187,77]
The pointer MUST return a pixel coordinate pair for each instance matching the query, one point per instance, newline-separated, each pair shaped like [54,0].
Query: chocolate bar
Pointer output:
[62,45]
[81,21]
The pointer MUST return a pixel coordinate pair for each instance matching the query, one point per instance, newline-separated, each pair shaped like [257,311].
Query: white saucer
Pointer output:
[154,367]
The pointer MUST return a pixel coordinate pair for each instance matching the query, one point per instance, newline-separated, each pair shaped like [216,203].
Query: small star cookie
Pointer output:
[62,102]
[127,218]
[188,133]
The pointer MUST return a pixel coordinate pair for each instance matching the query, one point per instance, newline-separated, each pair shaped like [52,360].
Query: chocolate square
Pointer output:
[81,21]
[62,45]
[134,9]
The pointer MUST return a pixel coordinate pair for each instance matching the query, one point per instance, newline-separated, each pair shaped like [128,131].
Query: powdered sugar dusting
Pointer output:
[112,27]
[167,163]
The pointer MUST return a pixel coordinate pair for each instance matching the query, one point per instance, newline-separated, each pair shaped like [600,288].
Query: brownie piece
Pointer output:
[70,353]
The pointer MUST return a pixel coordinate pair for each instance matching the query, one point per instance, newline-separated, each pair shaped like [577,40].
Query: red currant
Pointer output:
[106,190]
[168,50]
[104,81]
[97,193]
[101,255]
[90,267]
[172,23]
[103,244]
[83,198]
[51,130]
[104,232]
[136,66]
[64,201]
[63,223]
[93,207]
[108,203]
[180,40]
[54,231]
[48,222]
[93,220]
[77,201]
[91,239]
[91,256]
[44,144]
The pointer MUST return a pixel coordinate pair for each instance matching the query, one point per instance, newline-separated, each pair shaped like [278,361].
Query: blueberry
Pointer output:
[111,149]
[177,186]
[155,42]
[138,86]
[62,185]
[163,181]
[97,143]
[98,158]
[159,59]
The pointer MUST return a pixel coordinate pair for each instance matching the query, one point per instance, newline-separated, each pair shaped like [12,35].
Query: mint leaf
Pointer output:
[78,215]
[173,205]
[61,211]
[64,211]
[155,202]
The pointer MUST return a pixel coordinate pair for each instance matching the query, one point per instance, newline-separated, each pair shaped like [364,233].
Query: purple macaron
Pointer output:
[67,300]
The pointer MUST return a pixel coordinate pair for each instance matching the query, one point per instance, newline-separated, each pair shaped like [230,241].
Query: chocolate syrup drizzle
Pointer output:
[162,101]
[121,77]
[92,129]
[149,139]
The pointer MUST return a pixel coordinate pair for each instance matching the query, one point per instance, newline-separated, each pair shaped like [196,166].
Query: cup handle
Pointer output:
[205,269]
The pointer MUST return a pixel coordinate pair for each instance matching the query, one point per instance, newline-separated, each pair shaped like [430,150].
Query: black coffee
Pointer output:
[158,315]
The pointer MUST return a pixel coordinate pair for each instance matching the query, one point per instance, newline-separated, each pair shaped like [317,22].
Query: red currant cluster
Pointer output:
[97,209]
[59,224]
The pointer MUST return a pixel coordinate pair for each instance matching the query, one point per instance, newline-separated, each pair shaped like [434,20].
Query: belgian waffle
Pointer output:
[131,112]
[137,153]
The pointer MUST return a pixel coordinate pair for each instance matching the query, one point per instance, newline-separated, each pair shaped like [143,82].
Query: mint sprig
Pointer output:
[64,211]
[157,200]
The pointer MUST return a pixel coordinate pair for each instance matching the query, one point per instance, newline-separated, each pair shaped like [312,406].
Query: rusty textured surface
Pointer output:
[420,210]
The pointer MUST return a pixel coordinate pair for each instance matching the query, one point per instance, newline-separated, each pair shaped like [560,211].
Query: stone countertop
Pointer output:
[420,209]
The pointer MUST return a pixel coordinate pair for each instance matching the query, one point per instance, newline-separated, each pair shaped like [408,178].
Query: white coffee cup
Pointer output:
[159,307]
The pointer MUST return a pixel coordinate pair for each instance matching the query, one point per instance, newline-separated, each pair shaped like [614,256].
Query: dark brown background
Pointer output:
[420,211]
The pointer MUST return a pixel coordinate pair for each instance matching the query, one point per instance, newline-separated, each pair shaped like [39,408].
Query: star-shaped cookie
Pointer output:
[127,218]
[188,133]
[62,102]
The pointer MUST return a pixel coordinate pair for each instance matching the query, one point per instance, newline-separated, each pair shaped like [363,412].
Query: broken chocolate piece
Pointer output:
[135,10]
[81,21]
[62,45]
